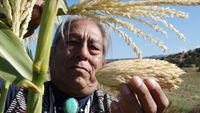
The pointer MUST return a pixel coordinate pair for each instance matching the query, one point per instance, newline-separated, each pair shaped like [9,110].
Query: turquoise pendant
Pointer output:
[71,105]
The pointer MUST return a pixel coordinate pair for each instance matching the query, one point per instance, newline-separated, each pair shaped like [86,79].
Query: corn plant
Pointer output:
[26,73]
[16,67]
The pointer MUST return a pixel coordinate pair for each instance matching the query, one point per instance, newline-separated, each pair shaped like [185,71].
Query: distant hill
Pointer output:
[187,59]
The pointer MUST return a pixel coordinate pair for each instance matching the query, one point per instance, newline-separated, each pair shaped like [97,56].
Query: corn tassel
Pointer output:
[116,73]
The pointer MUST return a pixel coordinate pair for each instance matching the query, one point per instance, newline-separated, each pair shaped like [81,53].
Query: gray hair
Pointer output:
[66,26]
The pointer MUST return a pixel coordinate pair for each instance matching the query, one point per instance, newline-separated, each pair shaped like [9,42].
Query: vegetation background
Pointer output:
[185,99]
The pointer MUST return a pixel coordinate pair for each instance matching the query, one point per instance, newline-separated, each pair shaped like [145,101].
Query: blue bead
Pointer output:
[71,105]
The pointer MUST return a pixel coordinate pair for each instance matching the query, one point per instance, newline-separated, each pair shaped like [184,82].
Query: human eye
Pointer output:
[95,49]
[73,42]
[73,39]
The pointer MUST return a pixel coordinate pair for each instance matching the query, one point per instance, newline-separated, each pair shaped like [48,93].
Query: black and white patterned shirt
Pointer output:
[53,99]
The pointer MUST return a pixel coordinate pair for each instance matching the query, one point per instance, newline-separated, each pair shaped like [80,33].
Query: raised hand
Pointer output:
[141,97]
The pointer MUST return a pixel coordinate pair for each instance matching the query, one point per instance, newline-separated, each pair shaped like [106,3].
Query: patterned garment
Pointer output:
[18,105]
[100,102]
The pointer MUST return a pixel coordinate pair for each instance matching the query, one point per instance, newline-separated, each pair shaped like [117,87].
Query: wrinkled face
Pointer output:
[77,58]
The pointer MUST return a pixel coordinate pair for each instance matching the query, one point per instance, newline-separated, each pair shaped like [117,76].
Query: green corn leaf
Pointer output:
[7,71]
[62,7]
[15,64]
[10,74]
[13,51]
[3,95]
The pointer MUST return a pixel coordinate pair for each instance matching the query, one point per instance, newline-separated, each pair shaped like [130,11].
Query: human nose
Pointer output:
[84,53]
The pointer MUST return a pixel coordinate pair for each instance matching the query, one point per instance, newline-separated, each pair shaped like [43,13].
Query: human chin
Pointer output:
[86,86]
[81,82]
[78,78]
[85,80]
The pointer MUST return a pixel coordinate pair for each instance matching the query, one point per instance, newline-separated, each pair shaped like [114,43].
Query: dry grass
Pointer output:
[186,98]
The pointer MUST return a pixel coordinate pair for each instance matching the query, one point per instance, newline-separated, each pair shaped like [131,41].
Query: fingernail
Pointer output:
[136,81]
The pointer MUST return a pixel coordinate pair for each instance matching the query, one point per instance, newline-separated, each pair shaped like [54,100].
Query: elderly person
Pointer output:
[78,51]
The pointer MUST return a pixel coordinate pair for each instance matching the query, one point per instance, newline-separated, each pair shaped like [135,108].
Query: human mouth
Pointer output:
[81,67]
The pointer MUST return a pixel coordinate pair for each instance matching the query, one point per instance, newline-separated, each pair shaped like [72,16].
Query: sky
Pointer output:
[189,27]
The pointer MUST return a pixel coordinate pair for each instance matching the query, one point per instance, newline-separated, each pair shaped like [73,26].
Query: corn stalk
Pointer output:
[15,63]
[41,61]
[106,11]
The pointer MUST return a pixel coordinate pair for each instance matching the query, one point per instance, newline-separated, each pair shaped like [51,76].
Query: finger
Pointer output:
[39,2]
[115,108]
[140,89]
[128,102]
[157,94]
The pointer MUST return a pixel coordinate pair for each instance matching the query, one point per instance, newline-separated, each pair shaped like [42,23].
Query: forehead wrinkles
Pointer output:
[83,28]
[86,26]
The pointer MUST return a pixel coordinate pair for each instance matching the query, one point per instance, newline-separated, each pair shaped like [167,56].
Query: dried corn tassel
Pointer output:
[118,72]
[6,9]
[18,14]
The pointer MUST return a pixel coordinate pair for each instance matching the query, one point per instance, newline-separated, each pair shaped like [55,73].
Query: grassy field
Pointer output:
[187,97]
[183,99]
